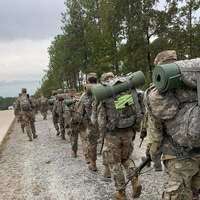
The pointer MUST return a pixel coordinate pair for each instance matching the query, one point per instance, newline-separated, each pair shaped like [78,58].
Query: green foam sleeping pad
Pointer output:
[167,77]
[102,92]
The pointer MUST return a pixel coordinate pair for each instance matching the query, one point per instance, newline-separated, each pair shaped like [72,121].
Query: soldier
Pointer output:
[105,77]
[24,106]
[182,171]
[54,116]
[35,105]
[58,111]
[73,120]
[18,114]
[120,125]
[43,105]
[85,108]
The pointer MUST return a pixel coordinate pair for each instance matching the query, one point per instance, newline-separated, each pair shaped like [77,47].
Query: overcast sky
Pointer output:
[27,28]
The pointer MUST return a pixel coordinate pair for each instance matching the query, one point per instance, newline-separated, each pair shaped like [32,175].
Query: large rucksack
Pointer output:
[25,103]
[72,114]
[180,112]
[43,101]
[123,110]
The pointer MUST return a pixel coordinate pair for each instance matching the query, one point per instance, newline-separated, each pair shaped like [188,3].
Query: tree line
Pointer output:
[121,36]
[6,102]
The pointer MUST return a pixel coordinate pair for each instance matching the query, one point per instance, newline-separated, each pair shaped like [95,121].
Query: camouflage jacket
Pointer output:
[85,107]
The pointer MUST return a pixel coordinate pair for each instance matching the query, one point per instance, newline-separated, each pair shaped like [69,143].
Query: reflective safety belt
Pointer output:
[123,101]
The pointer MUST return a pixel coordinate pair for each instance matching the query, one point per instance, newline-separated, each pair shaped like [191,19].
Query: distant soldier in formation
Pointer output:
[24,107]
[18,114]
[35,105]
[43,105]
[52,101]
[85,108]
[58,111]
[73,120]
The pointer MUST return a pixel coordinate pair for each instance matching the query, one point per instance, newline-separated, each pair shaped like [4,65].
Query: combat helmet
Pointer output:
[165,56]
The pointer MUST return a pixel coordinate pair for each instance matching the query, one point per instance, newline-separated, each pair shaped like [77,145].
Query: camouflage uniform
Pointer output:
[105,77]
[73,119]
[85,108]
[55,116]
[35,105]
[27,115]
[146,128]
[58,111]
[118,145]
[43,105]
[18,114]
[181,175]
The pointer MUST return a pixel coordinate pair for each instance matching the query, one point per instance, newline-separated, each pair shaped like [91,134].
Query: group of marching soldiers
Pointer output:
[79,114]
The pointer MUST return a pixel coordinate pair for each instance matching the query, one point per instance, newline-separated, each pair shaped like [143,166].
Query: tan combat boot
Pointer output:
[121,195]
[107,173]
[87,159]
[34,136]
[136,187]
[58,132]
[74,154]
[22,129]
[29,135]
[62,136]
[92,166]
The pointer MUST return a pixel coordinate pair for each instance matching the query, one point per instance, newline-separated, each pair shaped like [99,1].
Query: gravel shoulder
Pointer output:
[44,169]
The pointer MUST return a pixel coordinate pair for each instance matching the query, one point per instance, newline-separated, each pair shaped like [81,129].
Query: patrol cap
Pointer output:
[91,75]
[165,55]
[24,90]
[59,91]
[105,76]
[54,92]
[72,92]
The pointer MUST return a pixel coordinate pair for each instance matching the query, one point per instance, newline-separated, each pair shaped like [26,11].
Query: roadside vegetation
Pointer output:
[119,36]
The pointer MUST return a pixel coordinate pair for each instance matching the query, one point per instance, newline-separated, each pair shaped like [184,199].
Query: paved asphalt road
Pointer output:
[6,119]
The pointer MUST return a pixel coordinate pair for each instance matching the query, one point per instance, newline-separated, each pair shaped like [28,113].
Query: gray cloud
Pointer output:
[27,28]
[36,19]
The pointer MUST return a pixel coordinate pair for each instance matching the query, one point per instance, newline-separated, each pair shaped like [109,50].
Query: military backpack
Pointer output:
[24,103]
[178,109]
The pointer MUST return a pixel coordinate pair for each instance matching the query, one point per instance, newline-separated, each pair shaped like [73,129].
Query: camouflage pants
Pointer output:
[61,122]
[83,136]
[55,122]
[92,137]
[182,179]
[28,122]
[117,151]
[73,133]
[43,111]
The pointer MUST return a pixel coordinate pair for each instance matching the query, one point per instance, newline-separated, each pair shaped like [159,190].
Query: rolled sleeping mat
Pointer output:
[166,77]
[87,88]
[50,102]
[102,92]
[68,102]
